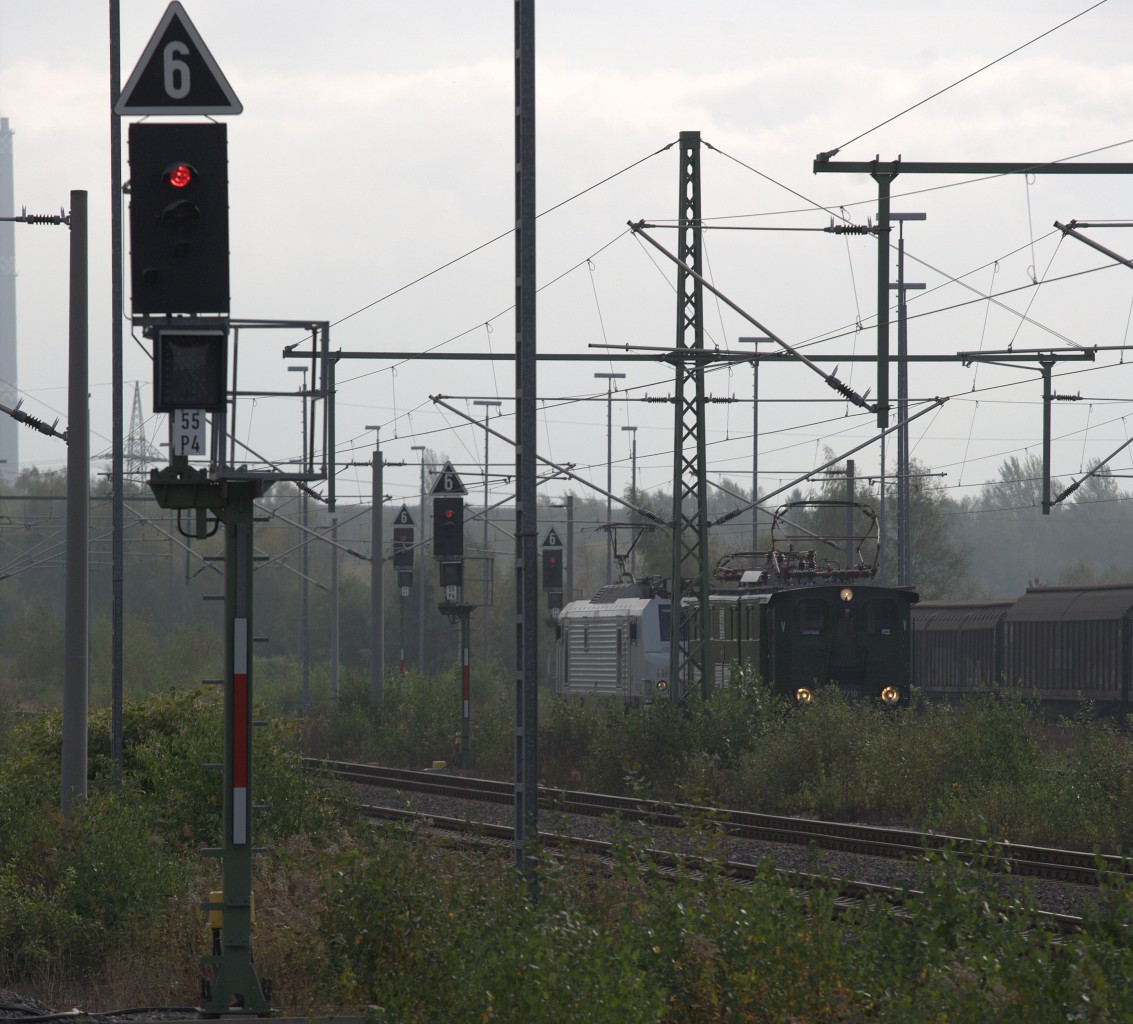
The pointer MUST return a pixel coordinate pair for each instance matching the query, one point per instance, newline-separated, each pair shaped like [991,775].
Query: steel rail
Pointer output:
[849,893]
[1075,866]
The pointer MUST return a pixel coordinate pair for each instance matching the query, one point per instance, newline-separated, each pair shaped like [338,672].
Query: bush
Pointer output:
[73,893]
[425,935]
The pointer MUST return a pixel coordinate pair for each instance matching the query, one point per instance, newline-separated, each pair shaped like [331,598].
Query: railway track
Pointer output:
[848,894]
[1072,866]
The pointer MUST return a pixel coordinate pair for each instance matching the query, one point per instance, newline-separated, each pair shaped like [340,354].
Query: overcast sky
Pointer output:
[376,145]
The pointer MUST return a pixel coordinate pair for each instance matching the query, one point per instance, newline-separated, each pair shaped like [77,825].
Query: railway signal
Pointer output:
[448,493]
[403,540]
[448,529]
[403,549]
[190,370]
[448,515]
[552,561]
[179,218]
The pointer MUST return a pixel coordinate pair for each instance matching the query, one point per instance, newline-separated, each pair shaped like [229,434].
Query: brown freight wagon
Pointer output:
[1063,645]
[1072,643]
[957,646]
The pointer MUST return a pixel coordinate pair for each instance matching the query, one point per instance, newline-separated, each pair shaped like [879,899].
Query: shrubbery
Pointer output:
[424,935]
[989,767]
[104,908]
[74,894]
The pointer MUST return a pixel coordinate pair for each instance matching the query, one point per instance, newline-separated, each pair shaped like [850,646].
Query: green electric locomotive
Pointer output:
[802,621]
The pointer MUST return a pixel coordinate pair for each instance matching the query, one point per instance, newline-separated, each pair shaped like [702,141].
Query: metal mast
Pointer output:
[9,436]
[526,511]
[139,452]
[690,486]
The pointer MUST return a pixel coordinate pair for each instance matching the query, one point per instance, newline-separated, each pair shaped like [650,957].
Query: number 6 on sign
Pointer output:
[187,432]
[176,70]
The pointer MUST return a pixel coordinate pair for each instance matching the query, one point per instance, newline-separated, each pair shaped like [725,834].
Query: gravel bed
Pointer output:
[1054,897]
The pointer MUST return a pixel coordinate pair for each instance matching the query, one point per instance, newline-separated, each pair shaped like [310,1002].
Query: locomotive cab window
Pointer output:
[881,617]
[812,618]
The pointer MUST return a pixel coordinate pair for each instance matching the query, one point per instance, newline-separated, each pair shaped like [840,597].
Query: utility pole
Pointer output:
[609,379]
[421,578]
[377,584]
[526,450]
[632,492]
[76,643]
[883,172]
[904,508]
[117,507]
[304,554]
[570,548]
[488,404]
[754,436]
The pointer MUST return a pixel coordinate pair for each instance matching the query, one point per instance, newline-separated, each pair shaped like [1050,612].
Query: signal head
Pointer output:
[180,175]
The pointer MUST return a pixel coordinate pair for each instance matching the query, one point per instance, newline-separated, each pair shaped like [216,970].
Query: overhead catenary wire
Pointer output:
[563,470]
[935,404]
[830,379]
[925,190]
[849,330]
[858,325]
[398,417]
[497,238]
[967,77]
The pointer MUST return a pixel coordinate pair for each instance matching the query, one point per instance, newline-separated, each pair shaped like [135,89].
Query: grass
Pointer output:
[990,767]
[102,912]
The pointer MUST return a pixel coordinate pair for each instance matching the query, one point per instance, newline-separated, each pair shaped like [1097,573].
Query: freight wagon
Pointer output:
[1063,645]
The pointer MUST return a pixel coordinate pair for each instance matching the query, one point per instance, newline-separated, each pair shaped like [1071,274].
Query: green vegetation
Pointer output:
[103,912]
[113,893]
[638,948]
[990,767]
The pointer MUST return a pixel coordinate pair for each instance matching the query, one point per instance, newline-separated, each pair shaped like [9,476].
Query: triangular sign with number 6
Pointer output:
[448,482]
[176,74]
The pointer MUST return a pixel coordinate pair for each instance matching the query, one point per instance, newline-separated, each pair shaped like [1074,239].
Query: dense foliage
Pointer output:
[992,766]
[104,910]
[75,895]
[429,936]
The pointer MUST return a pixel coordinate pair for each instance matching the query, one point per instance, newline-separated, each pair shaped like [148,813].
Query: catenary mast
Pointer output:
[9,437]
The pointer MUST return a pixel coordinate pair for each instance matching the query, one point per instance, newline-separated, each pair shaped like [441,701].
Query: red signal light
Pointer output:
[449,514]
[179,175]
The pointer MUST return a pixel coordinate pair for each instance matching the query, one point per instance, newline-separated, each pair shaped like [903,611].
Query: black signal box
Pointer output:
[403,547]
[178,218]
[448,529]
[552,568]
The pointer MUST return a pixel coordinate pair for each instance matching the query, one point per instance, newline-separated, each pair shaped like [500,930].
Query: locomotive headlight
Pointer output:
[890,695]
[846,594]
[803,695]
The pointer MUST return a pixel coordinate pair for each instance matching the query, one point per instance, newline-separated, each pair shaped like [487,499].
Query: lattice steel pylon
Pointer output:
[140,454]
[688,659]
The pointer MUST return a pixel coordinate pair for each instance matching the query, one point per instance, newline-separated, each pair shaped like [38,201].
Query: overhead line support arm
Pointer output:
[843,389]
[1071,229]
